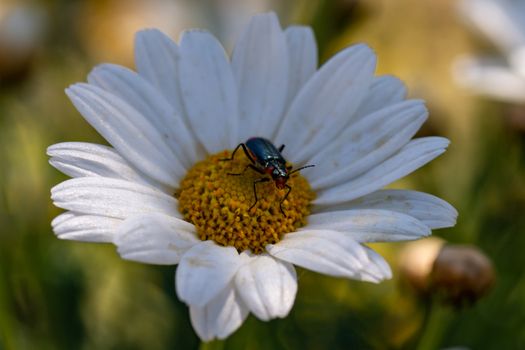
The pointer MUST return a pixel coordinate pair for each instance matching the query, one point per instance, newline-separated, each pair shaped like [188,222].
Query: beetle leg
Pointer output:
[233,153]
[253,167]
[242,172]
[284,198]
[281,148]
[262,179]
[248,155]
[245,168]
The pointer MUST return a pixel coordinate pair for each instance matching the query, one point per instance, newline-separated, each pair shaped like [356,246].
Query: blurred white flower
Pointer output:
[22,29]
[503,23]
[225,18]
[107,28]
[163,195]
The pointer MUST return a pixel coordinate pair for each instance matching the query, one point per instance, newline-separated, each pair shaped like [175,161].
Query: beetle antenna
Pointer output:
[301,168]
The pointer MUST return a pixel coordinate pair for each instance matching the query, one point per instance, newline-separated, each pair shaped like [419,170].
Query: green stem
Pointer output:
[435,324]
[212,345]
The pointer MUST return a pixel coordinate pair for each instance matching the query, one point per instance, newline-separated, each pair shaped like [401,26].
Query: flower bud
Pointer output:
[457,273]
[461,273]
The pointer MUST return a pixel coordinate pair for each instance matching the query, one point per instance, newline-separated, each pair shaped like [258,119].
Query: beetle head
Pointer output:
[280,176]
[280,182]
[278,172]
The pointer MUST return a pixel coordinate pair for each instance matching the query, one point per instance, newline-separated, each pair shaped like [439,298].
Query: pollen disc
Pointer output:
[218,203]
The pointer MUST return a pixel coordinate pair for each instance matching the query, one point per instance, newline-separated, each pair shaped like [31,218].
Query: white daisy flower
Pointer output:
[163,193]
[503,23]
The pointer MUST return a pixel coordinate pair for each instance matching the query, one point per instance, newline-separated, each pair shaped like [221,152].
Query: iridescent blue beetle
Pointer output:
[266,159]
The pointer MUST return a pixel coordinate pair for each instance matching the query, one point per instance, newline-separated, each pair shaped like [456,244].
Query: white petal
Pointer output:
[143,97]
[204,271]
[327,103]
[208,90]
[156,59]
[111,197]
[378,267]
[131,133]
[220,317]
[80,159]
[370,225]
[85,228]
[267,286]
[430,210]
[366,143]
[329,252]
[155,239]
[384,91]
[414,155]
[302,53]
[260,66]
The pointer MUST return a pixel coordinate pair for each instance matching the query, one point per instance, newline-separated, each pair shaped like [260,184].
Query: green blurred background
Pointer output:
[66,295]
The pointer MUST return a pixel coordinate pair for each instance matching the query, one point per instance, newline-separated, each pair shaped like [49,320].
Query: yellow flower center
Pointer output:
[218,204]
